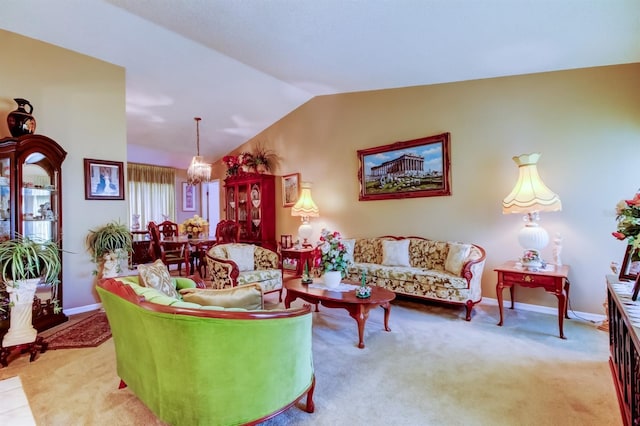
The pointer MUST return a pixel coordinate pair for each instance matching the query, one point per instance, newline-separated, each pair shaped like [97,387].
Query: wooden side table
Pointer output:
[553,280]
[302,256]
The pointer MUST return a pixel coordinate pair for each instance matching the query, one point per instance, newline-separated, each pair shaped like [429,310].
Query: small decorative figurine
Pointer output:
[306,278]
[364,290]
[557,250]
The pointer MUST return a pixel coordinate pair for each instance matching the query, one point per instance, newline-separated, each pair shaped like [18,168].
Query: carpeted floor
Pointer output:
[433,368]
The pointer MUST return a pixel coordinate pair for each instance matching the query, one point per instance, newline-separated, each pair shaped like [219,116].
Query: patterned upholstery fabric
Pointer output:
[267,272]
[157,276]
[426,276]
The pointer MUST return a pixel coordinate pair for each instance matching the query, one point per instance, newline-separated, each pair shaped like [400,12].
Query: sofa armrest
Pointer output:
[223,272]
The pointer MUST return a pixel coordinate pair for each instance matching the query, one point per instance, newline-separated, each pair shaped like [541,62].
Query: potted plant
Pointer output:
[264,160]
[24,263]
[109,246]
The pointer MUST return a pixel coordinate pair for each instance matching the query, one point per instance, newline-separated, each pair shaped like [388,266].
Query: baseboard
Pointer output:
[587,316]
[82,309]
[595,318]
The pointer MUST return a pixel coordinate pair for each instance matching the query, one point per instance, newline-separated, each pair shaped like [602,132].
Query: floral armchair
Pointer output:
[236,264]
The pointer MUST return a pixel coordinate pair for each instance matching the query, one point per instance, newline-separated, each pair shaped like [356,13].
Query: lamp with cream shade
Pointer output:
[305,208]
[531,196]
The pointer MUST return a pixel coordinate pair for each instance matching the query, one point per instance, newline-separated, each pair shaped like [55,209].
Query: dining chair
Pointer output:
[170,252]
[227,231]
[168,229]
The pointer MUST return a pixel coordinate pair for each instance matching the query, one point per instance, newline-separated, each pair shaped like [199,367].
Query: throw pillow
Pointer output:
[157,276]
[456,257]
[395,253]
[350,245]
[242,255]
[247,296]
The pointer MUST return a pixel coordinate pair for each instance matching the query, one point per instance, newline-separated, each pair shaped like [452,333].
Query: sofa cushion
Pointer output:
[246,297]
[350,245]
[395,253]
[269,279]
[242,255]
[157,276]
[456,257]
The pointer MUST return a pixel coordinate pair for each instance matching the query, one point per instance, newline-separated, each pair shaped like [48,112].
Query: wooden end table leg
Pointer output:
[499,288]
[567,285]
[562,306]
[512,294]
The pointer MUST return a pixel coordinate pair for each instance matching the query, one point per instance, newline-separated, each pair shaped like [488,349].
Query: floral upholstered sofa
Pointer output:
[437,270]
[236,264]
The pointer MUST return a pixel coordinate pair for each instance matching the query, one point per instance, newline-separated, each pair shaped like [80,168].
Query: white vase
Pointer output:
[110,265]
[332,279]
[21,330]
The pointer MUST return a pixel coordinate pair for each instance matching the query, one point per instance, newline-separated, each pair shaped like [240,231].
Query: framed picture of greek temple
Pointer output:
[415,168]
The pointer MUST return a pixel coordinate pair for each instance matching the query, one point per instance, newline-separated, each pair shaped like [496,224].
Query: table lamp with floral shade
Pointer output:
[530,196]
[306,208]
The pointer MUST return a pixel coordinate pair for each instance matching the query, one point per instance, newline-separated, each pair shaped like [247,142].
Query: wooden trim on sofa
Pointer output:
[126,292]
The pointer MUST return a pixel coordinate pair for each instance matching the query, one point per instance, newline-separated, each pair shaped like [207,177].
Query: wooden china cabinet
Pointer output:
[31,205]
[250,201]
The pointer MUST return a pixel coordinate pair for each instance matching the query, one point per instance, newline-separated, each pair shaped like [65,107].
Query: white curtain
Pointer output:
[152,193]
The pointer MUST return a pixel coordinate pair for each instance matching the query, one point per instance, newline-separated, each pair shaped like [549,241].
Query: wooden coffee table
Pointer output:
[358,308]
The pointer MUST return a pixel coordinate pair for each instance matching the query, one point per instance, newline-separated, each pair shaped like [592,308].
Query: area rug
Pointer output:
[88,332]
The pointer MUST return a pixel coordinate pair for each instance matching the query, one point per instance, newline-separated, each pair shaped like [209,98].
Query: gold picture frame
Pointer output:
[290,189]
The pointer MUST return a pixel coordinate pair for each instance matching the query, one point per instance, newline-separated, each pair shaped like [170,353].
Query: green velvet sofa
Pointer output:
[193,366]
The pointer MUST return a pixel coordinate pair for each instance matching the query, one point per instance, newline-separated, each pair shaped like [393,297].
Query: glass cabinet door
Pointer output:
[243,210]
[31,205]
[231,203]
[5,199]
[39,201]
[256,198]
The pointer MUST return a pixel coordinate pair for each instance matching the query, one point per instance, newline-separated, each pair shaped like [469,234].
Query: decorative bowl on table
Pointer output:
[363,292]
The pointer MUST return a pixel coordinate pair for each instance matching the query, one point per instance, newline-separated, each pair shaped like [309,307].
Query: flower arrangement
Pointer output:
[334,252]
[261,160]
[531,256]
[194,225]
[243,162]
[628,218]
[231,161]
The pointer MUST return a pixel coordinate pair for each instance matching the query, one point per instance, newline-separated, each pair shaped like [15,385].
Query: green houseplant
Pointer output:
[109,245]
[24,263]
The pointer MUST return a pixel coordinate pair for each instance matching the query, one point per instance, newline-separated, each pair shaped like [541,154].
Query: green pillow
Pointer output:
[247,296]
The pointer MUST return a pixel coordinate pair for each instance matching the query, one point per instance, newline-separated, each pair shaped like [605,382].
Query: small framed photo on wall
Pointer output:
[188,197]
[103,180]
[290,189]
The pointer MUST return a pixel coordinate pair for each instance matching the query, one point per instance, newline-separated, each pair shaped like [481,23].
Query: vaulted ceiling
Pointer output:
[241,65]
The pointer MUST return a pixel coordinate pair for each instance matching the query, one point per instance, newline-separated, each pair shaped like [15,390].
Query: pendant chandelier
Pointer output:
[198,170]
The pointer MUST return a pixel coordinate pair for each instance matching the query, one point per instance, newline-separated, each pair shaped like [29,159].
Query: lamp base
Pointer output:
[304,232]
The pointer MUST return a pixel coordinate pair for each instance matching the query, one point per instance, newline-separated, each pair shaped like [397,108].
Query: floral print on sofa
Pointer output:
[225,273]
[426,277]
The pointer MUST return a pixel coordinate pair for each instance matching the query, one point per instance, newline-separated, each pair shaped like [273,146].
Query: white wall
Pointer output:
[79,102]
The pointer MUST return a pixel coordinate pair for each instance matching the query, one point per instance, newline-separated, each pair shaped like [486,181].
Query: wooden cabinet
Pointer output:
[625,347]
[31,205]
[250,201]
